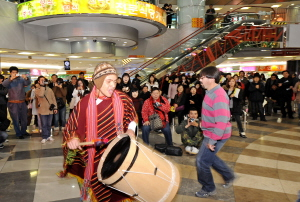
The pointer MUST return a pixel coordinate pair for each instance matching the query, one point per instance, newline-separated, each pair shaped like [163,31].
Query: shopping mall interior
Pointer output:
[45,37]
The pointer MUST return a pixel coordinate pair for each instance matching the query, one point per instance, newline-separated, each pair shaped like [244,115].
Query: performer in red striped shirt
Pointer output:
[216,130]
[104,113]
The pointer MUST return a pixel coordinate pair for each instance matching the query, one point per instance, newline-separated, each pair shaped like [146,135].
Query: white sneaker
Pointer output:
[56,128]
[194,150]
[188,149]
[50,139]
[43,141]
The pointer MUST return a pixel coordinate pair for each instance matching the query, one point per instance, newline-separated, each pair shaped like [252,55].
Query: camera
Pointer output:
[46,83]
[94,40]
[157,104]
[192,119]
[51,107]
[58,83]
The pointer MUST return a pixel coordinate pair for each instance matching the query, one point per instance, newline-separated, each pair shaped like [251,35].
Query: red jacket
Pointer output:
[148,108]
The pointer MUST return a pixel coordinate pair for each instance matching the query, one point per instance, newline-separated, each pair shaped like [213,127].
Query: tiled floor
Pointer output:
[267,165]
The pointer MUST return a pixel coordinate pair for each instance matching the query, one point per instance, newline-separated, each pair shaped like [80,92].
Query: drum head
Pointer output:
[115,157]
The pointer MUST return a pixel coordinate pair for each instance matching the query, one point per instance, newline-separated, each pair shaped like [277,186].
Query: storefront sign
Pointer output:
[39,8]
[75,72]
[285,53]
[197,22]
[273,68]
[136,56]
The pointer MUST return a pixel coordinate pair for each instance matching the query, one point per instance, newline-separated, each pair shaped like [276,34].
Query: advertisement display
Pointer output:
[40,8]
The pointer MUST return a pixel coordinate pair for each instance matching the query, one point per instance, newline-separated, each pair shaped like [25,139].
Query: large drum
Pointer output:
[136,170]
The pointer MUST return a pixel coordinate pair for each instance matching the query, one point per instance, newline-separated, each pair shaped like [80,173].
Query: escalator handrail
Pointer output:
[205,42]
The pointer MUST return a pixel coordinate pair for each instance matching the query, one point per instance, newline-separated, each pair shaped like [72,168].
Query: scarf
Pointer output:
[158,111]
[92,133]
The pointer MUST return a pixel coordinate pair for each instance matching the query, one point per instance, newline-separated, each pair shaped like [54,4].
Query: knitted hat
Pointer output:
[101,71]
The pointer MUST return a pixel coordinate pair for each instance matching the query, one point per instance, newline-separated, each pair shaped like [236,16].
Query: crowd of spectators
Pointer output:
[171,96]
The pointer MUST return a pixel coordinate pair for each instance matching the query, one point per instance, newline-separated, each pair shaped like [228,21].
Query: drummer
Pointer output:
[104,113]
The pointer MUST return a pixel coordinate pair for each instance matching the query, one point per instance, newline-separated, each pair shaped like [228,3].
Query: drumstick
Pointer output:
[96,142]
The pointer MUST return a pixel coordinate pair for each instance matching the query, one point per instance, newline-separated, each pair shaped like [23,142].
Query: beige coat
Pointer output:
[43,104]
[296,87]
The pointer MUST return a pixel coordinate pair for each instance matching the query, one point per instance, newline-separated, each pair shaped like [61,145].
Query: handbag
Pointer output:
[180,108]
[173,151]
[155,122]
[60,103]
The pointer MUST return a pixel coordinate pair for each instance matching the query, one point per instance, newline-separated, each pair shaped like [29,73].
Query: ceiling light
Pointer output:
[84,38]
[51,55]
[232,58]
[217,9]
[289,56]
[104,38]
[125,41]
[275,6]
[2,51]
[67,39]
[249,58]
[231,8]
[95,57]
[26,53]
[74,56]
[269,57]
[244,8]
[292,4]
[252,64]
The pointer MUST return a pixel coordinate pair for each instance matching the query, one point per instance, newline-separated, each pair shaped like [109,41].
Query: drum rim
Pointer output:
[129,167]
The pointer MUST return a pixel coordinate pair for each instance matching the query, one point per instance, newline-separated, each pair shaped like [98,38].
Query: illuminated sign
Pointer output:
[272,68]
[39,8]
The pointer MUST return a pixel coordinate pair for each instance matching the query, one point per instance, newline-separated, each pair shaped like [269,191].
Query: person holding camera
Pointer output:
[79,92]
[125,85]
[46,107]
[161,106]
[60,92]
[191,133]
[16,100]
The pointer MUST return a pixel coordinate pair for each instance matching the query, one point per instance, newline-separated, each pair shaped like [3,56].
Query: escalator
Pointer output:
[212,50]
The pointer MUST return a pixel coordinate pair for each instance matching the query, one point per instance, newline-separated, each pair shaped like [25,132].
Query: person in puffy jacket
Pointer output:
[256,96]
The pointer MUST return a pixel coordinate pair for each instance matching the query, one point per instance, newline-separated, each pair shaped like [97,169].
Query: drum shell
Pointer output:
[143,179]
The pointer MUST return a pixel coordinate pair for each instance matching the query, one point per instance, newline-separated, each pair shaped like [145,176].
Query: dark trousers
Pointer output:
[286,101]
[29,116]
[3,109]
[239,122]
[46,125]
[18,114]
[257,108]
[205,160]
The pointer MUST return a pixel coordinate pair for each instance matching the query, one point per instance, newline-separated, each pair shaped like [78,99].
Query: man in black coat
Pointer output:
[285,85]
[136,82]
[256,96]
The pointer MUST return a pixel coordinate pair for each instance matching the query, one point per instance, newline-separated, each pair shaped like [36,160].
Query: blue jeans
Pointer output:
[3,136]
[46,125]
[18,114]
[166,131]
[206,159]
[60,116]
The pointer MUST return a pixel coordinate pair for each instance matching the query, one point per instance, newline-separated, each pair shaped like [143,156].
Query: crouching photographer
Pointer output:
[191,133]
[46,107]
